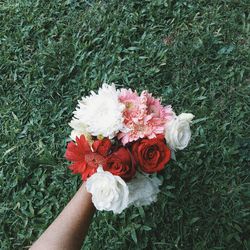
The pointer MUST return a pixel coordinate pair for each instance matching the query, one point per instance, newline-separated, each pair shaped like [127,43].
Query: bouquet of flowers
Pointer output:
[120,139]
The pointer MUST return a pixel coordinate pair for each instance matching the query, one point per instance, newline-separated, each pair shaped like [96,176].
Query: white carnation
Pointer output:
[177,131]
[102,112]
[143,189]
[109,192]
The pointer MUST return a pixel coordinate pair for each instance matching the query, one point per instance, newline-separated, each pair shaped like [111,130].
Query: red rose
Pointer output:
[121,163]
[151,154]
[102,147]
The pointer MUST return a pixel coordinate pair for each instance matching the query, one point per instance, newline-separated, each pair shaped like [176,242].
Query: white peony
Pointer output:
[177,131]
[109,192]
[143,189]
[102,112]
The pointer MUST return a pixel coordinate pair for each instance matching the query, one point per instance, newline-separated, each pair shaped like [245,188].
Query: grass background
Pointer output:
[194,54]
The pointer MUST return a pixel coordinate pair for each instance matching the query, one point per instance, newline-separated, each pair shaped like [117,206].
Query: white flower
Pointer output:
[109,192]
[102,112]
[143,189]
[186,116]
[79,128]
[177,131]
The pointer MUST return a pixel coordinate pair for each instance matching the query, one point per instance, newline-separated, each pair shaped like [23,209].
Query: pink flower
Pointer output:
[135,106]
[144,116]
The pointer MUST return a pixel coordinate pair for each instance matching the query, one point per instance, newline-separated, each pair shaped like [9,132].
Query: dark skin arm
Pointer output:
[69,229]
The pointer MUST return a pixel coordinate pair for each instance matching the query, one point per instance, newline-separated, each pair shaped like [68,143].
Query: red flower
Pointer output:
[85,162]
[151,154]
[121,163]
[102,147]
[76,151]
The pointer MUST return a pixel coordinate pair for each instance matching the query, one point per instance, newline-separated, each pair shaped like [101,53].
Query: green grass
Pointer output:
[194,54]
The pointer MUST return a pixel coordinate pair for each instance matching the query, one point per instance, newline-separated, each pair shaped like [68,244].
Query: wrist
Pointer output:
[86,197]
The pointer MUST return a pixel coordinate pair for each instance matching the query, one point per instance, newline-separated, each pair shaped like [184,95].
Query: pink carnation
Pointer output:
[135,106]
[144,116]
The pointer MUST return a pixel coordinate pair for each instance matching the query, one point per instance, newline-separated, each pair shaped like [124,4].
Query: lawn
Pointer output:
[194,54]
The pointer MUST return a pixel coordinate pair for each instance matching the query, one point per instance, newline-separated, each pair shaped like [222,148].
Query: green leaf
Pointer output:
[133,235]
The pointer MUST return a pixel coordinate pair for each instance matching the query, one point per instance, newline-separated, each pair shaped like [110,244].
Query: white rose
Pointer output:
[109,192]
[177,131]
[143,189]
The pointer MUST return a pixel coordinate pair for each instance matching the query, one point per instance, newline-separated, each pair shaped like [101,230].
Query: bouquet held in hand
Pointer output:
[119,139]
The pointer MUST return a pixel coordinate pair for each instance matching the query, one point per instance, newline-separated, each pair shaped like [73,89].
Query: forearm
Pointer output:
[70,227]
